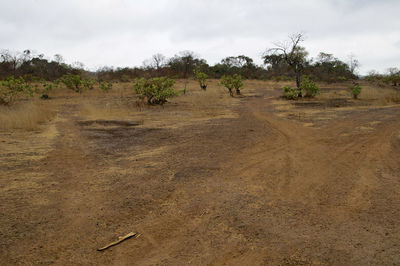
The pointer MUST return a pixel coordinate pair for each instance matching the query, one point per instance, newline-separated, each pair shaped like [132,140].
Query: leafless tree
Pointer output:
[159,61]
[14,59]
[290,52]
[58,59]
[353,63]
[393,71]
[78,65]
[156,62]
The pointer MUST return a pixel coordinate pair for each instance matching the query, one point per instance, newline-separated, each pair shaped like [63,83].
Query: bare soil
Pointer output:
[253,180]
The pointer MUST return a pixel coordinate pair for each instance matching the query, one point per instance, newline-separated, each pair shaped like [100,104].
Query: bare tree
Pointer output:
[393,71]
[353,63]
[14,59]
[291,53]
[185,62]
[187,58]
[78,65]
[156,62]
[325,58]
[159,61]
[58,59]
[393,75]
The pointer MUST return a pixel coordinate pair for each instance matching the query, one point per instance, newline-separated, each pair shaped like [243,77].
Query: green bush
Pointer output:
[355,90]
[232,82]
[88,84]
[309,86]
[156,90]
[77,83]
[105,86]
[11,88]
[290,93]
[125,78]
[201,78]
[393,79]
[47,87]
[73,82]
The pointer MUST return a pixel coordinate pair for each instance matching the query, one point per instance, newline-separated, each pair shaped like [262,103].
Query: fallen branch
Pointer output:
[120,239]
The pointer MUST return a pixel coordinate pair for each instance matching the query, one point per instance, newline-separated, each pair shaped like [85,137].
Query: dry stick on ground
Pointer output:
[121,238]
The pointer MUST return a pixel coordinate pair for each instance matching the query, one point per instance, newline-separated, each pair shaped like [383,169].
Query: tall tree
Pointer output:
[353,63]
[291,53]
[14,59]
[159,61]
[155,63]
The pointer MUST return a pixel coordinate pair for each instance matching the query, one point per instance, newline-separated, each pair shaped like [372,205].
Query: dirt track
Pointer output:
[247,190]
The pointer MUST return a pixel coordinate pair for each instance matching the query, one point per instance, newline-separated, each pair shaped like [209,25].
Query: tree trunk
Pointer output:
[298,83]
[15,69]
[185,84]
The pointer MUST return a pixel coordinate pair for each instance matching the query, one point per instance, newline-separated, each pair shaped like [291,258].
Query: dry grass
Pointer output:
[118,89]
[115,110]
[211,102]
[197,97]
[375,95]
[333,94]
[25,115]
[122,103]
[381,96]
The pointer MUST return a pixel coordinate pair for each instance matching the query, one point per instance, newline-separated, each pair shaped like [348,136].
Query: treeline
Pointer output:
[183,65]
[34,67]
[391,77]
[325,67]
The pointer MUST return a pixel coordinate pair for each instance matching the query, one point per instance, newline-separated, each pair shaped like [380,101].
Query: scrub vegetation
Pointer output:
[293,162]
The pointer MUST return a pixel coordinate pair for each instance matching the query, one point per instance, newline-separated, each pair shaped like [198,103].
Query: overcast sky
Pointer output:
[126,32]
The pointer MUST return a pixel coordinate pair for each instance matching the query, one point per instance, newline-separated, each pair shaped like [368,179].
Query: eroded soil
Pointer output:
[247,184]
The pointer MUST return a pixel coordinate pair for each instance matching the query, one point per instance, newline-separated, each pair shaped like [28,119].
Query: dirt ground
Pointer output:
[204,180]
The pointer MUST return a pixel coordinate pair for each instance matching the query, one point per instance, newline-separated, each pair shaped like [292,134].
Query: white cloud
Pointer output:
[124,33]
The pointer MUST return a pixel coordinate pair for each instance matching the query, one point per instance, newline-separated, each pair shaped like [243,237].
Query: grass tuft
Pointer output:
[26,115]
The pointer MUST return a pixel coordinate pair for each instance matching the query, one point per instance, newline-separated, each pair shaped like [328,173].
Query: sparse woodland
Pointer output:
[293,162]
[28,74]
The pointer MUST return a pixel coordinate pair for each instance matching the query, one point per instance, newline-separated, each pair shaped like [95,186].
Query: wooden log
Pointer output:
[120,239]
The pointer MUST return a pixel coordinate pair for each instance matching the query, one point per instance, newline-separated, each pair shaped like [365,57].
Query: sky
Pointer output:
[124,33]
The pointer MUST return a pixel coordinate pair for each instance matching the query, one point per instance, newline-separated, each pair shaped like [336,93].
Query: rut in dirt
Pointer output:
[257,189]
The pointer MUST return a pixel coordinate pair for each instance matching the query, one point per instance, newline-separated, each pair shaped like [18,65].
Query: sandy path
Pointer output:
[253,190]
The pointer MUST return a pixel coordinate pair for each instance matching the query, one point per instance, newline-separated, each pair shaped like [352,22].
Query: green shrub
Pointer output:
[77,83]
[309,86]
[125,78]
[156,90]
[290,93]
[73,82]
[105,86]
[201,78]
[88,84]
[355,90]
[232,82]
[393,79]
[11,88]
[47,87]
[227,82]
